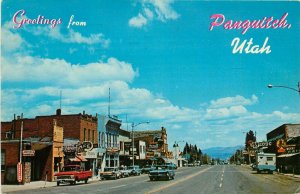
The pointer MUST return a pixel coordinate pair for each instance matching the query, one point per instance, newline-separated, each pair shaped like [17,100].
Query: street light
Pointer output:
[297,90]
[132,127]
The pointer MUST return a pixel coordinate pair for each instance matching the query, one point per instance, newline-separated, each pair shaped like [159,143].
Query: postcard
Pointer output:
[217,79]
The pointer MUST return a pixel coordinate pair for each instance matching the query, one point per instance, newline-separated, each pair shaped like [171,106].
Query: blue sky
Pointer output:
[161,62]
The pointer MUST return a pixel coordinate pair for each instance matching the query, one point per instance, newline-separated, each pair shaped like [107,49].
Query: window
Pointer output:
[121,146]
[141,149]
[93,136]
[84,136]
[9,135]
[89,137]
[269,158]
[99,139]
[2,160]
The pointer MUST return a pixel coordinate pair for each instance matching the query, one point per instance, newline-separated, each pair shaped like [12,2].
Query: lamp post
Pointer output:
[287,87]
[133,125]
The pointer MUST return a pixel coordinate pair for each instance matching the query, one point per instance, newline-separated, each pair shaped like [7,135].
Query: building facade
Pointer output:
[285,142]
[156,145]
[37,144]
[46,143]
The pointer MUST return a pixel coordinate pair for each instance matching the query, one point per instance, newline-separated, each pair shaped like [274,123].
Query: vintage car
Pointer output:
[146,169]
[125,172]
[134,170]
[162,172]
[72,174]
[110,173]
[171,165]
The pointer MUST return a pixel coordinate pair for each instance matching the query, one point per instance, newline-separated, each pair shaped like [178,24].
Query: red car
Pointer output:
[72,174]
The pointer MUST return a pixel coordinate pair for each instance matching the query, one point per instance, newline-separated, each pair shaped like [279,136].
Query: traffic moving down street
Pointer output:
[204,179]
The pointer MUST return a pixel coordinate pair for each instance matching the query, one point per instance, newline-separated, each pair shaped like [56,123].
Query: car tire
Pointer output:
[86,181]
[57,183]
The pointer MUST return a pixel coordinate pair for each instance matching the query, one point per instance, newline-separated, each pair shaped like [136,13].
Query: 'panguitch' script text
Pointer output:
[244,26]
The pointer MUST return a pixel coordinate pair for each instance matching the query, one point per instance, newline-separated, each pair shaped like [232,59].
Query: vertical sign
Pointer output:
[19,172]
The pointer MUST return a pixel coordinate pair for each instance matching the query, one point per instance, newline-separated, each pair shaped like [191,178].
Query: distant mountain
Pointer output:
[221,152]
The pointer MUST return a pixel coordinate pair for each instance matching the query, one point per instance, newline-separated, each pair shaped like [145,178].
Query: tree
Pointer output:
[250,137]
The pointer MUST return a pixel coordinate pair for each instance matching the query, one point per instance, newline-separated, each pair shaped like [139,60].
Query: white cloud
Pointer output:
[233,101]
[225,112]
[154,9]
[44,70]
[10,41]
[70,36]
[138,21]
[164,9]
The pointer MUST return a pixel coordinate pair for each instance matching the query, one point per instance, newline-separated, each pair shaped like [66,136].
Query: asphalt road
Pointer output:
[204,179]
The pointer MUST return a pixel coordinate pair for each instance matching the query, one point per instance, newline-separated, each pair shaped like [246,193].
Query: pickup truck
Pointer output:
[72,174]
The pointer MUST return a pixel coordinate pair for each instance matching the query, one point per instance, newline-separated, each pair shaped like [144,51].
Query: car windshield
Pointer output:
[70,168]
[133,167]
[108,169]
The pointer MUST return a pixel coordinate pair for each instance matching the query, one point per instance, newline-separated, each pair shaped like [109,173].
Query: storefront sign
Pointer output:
[260,144]
[28,152]
[153,147]
[19,172]
[90,154]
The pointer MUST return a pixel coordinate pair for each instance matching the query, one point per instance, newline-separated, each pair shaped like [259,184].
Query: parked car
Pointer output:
[162,172]
[171,165]
[146,169]
[125,172]
[72,174]
[134,170]
[110,172]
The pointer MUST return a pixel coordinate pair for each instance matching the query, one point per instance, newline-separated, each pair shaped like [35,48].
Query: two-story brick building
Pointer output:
[44,136]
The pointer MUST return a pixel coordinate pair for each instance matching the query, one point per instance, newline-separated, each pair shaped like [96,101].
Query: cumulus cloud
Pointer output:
[233,101]
[154,9]
[10,41]
[138,21]
[13,40]
[45,70]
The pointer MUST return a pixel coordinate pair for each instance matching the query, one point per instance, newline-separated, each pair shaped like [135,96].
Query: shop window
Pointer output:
[3,160]
[121,146]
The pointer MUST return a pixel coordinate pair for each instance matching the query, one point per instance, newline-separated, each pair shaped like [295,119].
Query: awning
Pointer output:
[287,155]
[78,159]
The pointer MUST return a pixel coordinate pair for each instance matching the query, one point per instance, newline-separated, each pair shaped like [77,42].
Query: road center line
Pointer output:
[179,181]
[220,185]
[118,186]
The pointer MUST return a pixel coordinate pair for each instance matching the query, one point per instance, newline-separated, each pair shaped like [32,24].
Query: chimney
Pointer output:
[14,116]
[83,112]
[58,111]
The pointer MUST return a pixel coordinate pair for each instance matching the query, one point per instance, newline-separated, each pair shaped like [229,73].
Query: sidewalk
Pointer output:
[35,185]
[275,172]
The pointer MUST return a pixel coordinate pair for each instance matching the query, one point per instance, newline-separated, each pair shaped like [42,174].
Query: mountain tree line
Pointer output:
[195,154]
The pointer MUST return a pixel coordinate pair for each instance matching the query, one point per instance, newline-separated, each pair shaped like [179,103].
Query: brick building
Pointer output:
[156,143]
[41,149]
[40,136]
[285,143]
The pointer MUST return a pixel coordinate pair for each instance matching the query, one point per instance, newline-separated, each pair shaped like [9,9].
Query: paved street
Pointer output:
[204,179]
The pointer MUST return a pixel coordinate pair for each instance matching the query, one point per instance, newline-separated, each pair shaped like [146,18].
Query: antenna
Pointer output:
[60,99]
[109,102]
[126,122]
